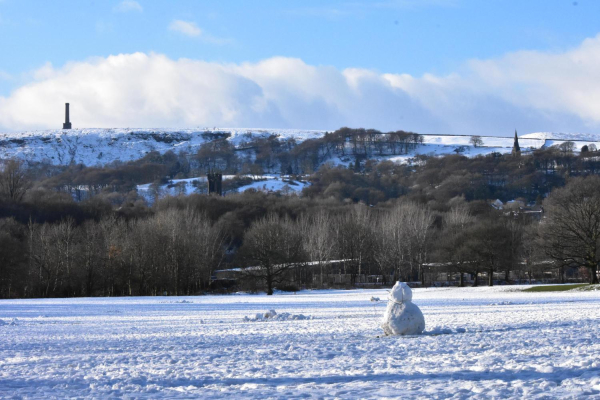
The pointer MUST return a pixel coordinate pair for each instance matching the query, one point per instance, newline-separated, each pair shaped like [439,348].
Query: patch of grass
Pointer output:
[556,288]
[588,287]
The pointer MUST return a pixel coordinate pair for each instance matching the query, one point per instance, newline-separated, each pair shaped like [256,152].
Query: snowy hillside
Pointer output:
[102,146]
[556,139]
[574,137]
[448,144]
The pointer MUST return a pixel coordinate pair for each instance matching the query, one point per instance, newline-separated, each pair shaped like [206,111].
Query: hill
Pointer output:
[103,146]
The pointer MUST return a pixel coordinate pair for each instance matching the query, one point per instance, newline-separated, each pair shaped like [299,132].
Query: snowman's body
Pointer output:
[402,316]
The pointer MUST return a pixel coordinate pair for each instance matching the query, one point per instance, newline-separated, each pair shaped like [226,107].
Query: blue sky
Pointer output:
[429,38]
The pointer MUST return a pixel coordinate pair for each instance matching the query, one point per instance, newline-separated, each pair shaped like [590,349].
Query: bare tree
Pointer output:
[63,236]
[476,141]
[532,251]
[13,180]
[420,219]
[52,255]
[451,248]
[317,239]
[515,228]
[355,235]
[571,230]
[12,257]
[487,242]
[90,260]
[393,243]
[272,246]
[403,235]
[567,147]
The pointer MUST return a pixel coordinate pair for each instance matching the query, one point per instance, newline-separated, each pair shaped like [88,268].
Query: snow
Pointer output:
[402,316]
[188,186]
[276,185]
[488,141]
[556,139]
[401,293]
[480,342]
[272,315]
[439,145]
[575,137]
[98,146]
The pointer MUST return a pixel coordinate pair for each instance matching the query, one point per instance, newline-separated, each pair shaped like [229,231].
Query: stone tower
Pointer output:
[516,151]
[67,124]
[215,181]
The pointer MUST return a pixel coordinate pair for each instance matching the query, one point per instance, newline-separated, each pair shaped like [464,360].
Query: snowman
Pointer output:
[402,316]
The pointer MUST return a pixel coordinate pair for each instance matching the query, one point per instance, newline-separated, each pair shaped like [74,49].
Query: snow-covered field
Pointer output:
[479,342]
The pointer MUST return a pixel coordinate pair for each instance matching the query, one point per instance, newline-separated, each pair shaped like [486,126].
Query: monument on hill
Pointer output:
[215,181]
[67,124]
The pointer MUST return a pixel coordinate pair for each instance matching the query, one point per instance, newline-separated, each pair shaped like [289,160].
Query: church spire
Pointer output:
[516,151]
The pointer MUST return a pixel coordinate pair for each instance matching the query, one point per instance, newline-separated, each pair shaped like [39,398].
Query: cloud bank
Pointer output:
[529,91]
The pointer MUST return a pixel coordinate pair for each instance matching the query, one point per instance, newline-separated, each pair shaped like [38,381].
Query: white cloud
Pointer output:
[192,30]
[127,6]
[530,91]
[185,27]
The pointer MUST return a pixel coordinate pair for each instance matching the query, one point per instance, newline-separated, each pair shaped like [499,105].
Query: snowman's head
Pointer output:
[401,293]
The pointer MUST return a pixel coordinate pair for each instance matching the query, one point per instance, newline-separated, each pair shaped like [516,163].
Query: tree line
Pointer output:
[278,242]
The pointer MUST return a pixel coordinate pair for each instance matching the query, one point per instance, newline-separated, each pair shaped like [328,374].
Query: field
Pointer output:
[479,342]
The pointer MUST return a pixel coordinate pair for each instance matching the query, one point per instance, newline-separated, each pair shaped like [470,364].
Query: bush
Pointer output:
[290,287]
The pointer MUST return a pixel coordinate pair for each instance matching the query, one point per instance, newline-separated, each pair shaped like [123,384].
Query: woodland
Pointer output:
[78,230]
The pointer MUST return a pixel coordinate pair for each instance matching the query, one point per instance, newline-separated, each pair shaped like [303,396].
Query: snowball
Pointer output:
[273,315]
[402,316]
[401,292]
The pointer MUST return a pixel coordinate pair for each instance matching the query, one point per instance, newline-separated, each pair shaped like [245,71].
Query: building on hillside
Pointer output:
[516,208]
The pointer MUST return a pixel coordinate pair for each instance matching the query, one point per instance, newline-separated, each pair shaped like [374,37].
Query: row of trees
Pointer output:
[393,242]
[170,252]
[408,241]
[272,154]
[177,250]
[177,247]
